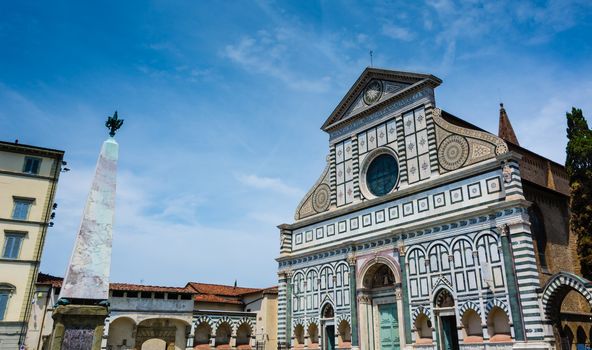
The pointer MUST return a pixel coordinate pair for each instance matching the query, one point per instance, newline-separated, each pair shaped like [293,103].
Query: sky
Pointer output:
[223,101]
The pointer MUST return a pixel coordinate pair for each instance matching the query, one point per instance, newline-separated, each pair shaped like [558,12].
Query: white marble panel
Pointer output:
[424,166]
[349,192]
[349,170]
[420,119]
[340,195]
[391,130]
[412,170]
[339,152]
[362,143]
[340,173]
[410,146]
[408,123]
[347,148]
[422,142]
[371,137]
[381,135]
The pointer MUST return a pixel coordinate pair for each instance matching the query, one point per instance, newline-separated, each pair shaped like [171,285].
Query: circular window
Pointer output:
[382,174]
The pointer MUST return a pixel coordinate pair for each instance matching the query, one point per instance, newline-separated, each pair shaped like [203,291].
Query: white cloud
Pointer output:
[397,32]
[271,184]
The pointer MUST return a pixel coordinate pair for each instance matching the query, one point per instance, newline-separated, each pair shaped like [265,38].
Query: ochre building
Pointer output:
[28,181]
[427,232]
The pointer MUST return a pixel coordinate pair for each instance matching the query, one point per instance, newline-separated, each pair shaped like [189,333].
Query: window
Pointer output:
[382,174]
[12,245]
[21,209]
[31,165]
[5,291]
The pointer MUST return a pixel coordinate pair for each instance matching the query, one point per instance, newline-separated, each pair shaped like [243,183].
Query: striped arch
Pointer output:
[420,310]
[227,320]
[248,321]
[469,305]
[204,319]
[341,317]
[309,321]
[296,323]
[557,288]
[496,302]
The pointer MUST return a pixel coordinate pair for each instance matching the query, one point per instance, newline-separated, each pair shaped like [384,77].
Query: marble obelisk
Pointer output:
[82,306]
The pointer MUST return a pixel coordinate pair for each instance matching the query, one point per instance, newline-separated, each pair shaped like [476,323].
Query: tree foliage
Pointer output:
[579,168]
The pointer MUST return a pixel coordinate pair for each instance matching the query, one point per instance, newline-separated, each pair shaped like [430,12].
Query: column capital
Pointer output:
[351,259]
[401,248]
[364,299]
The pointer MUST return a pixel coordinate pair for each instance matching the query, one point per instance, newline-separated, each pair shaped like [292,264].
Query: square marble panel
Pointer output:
[493,185]
[362,143]
[379,216]
[354,223]
[371,138]
[366,220]
[347,149]
[308,236]
[412,170]
[381,135]
[340,173]
[341,194]
[349,170]
[439,200]
[342,226]
[339,155]
[319,233]
[474,190]
[456,195]
[393,213]
[299,238]
[425,170]
[408,209]
[391,131]
[410,146]
[420,119]
[423,204]
[422,142]
[349,192]
[408,123]
[330,230]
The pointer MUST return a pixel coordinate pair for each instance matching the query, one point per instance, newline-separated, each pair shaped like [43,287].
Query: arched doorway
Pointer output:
[567,300]
[328,326]
[380,307]
[446,318]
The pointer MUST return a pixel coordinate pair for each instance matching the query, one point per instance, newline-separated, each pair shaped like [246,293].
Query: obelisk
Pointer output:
[82,305]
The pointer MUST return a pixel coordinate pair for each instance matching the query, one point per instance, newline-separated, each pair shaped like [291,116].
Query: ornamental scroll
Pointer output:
[460,147]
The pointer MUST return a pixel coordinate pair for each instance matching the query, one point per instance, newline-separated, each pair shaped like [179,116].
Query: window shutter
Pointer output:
[3,303]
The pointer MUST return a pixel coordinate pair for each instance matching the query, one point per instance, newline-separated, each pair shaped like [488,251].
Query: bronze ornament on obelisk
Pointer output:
[82,307]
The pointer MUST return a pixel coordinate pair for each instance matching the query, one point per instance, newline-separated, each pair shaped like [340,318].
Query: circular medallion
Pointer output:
[320,198]
[453,152]
[373,92]
[382,174]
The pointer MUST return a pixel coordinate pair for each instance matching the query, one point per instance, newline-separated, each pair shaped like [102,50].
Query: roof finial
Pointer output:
[505,130]
[371,61]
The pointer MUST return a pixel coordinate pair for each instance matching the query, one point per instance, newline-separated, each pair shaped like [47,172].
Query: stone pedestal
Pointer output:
[78,327]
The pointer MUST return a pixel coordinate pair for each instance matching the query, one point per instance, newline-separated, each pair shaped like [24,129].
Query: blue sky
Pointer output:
[223,102]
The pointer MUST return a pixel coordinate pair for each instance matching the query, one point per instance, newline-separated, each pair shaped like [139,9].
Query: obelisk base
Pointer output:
[78,327]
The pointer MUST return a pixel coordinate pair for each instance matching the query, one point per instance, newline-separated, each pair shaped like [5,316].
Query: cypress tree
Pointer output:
[579,168]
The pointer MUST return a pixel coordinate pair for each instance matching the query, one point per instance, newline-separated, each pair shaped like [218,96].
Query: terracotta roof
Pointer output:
[209,298]
[222,290]
[271,290]
[56,282]
[145,288]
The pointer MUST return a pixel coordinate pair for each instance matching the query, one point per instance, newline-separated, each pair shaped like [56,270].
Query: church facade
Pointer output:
[419,233]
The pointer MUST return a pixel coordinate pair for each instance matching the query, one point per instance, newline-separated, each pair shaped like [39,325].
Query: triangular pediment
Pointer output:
[374,88]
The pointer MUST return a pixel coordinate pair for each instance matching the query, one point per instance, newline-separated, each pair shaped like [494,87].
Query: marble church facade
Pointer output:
[417,234]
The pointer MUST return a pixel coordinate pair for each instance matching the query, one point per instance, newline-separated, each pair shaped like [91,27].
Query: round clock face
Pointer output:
[373,92]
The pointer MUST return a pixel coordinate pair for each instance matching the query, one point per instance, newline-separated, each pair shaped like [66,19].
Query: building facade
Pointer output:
[198,316]
[28,181]
[425,231]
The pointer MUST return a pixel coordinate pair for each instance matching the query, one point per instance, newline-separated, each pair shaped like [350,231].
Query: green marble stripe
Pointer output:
[354,305]
[288,311]
[512,290]
[406,309]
